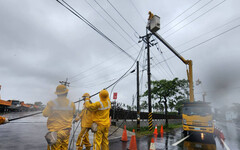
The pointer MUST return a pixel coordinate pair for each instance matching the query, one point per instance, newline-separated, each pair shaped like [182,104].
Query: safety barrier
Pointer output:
[125,114]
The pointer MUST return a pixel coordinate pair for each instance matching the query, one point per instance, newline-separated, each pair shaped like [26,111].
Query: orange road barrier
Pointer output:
[161,129]
[133,142]
[155,130]
[161,135]
[152,145]
[124,135]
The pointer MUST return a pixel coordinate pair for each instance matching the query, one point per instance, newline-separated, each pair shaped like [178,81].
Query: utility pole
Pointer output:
[150,125]
[138,100]
[146,39]
[66,83]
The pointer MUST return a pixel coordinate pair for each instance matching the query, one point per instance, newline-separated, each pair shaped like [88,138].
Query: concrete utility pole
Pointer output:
[146,39]
[66,83]
[138,100]
[150,126]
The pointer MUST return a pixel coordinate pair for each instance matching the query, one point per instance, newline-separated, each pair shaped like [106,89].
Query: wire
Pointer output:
[181,13]
[96,65]
[208,32]
[188,49]
[117,79]
[187,17]
[137,11]
[122,16]
[114,21]
[196,18]
[107,21]
[77,14]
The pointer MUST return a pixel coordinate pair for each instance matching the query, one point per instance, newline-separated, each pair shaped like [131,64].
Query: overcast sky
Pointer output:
[42,43]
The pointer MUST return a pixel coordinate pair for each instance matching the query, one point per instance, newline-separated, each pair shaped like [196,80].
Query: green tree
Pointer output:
[164,91]
[38,103]
[143,105]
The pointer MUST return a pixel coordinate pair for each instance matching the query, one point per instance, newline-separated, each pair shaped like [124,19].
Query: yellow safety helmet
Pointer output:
[86,95]
[104,95]
[61,89]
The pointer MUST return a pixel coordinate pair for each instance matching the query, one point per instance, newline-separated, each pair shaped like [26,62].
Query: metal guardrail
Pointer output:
[126,114]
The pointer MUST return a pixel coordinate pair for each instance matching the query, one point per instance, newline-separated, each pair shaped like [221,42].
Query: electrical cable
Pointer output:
[107,21]
[77,14]
[113,84]
[181,14]
[208,32]
[122,17]
[205,41]
[96,65]
[196,18]
[114,20]
[187,17]
[137,11]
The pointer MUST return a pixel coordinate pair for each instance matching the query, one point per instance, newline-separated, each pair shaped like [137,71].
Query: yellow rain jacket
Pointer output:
[60,114]
[101,111]
[86,118]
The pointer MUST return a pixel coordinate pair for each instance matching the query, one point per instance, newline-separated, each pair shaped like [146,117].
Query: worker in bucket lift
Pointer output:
[101,111]
[86,123]
[60,113]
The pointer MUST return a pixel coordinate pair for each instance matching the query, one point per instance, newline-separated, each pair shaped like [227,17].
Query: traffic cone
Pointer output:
[155,131]
[152,145]
[133,143]
[124,135]
[161,129]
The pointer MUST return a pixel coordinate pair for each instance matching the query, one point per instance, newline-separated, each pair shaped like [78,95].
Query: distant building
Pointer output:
[231,115]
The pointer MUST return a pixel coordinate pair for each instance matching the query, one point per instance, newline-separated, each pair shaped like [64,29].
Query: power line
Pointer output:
[188,49]
[181,13]
[90,74]
[96,65]
[77,14]
[107,21]
[196,18]
[188,16]
[114,21]
[137,11]
[208,32]
[122,16]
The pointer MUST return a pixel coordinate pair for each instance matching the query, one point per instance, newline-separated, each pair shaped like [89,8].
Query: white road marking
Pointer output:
[225,145]
[175,144]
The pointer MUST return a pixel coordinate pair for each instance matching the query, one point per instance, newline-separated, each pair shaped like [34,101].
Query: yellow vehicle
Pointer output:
[196,115]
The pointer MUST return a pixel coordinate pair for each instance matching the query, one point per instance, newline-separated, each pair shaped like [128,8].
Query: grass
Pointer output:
[144,130]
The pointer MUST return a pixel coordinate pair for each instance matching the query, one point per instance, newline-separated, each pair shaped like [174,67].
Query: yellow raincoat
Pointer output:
[60,113]
[86,123]
[101,112]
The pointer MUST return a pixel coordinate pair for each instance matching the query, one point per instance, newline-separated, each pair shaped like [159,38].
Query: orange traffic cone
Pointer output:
[152,145]
[155,131]
[161,129]
[133,143]
[124,135]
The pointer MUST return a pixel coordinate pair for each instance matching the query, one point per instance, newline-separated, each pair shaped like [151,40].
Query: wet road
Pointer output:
[28,133]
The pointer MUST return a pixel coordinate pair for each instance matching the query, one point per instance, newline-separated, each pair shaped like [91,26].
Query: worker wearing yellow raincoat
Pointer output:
[3,120]
[60,113]
[86,123]
[101,112]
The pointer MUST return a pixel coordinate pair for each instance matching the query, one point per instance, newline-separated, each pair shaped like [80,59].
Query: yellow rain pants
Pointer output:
[83,139]
[101,138]
[62,140]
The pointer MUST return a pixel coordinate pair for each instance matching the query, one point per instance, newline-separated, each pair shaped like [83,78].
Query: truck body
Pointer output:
[197,117]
